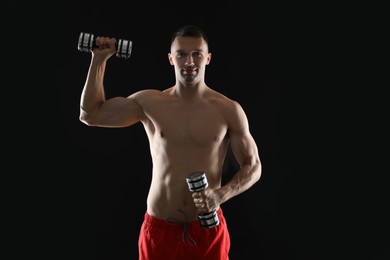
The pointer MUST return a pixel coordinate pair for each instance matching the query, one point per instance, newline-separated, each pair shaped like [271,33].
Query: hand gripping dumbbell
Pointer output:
[87,41]
[198,182]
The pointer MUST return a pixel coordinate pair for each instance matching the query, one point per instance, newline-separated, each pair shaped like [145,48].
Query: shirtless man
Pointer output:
[189,127]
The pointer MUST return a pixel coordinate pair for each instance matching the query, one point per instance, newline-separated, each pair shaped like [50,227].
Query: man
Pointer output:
[189,127]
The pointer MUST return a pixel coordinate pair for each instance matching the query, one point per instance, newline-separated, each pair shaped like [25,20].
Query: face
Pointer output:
[190,56]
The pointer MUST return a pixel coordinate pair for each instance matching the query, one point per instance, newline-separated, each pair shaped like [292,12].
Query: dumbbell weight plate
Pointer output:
[86,42]
[124,48]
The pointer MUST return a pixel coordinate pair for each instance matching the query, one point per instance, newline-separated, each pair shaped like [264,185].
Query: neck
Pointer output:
[190,90]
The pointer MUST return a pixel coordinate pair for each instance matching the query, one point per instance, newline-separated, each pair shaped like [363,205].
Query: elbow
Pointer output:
[258,171]
[86,119]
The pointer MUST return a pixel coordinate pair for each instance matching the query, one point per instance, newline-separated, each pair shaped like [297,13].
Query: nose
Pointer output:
[189,61]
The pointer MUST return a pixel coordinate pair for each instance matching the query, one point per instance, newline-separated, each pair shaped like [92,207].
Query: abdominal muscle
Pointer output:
[169,195]
[171,198]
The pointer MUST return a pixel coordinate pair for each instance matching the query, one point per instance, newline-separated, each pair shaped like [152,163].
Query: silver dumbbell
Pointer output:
[87,41]
[198,182]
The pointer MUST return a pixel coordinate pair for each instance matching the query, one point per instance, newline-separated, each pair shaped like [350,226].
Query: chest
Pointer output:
[199,124]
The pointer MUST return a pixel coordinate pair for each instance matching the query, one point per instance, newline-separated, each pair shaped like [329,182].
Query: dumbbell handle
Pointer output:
[87,41]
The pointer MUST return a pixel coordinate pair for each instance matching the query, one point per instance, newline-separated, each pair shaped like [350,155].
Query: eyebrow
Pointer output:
[181,50]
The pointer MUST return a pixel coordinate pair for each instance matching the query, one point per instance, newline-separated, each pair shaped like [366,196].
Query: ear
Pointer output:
[208,58]
[170,58]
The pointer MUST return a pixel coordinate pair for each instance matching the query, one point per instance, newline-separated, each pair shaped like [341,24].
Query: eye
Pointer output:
[182,55]
[197,54]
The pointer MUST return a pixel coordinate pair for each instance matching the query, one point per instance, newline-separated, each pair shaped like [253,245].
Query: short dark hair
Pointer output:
[191,31]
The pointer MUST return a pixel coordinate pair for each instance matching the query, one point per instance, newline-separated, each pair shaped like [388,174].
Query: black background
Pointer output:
[306,76]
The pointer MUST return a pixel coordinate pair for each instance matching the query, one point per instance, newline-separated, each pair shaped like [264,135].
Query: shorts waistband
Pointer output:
[171,222]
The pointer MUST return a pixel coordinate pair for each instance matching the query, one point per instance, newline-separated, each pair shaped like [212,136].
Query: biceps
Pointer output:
[118,112]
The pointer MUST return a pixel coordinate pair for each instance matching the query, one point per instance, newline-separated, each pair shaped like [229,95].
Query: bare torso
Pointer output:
[185,136]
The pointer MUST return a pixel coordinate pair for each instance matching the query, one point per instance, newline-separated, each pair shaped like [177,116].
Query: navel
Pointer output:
[216,138]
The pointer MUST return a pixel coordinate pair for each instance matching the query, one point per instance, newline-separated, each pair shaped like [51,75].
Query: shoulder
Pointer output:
[231,110]
[222,101]
[145,93]
[150,93]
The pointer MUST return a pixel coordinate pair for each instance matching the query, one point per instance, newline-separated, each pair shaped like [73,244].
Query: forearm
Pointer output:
[93,92]
[245,178]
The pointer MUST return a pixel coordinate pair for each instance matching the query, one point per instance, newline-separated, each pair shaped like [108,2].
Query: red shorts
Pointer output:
[162,239]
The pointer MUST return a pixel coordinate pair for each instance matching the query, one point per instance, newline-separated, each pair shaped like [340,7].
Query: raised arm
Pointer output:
[95,110]
[246,153]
